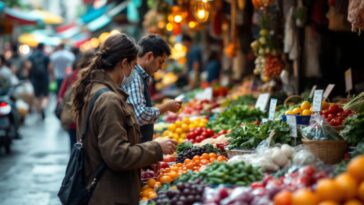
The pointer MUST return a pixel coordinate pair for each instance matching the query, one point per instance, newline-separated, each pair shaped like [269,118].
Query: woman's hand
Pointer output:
[168,146]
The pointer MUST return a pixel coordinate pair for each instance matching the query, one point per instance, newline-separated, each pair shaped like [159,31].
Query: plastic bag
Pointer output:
[319,129]
[303,157]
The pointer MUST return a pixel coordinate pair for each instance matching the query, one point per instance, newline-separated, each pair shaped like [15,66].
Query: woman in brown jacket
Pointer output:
[113,134]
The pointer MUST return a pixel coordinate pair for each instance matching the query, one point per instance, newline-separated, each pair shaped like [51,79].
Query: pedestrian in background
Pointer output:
[213,67]
[153,53]
[39,77]
[193,67]
[61,60]
[65,93]
[113,135]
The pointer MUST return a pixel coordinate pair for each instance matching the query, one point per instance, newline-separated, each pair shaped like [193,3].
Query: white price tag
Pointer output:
[328,90]
[291,121]
[272,108]
[348,80]
[313,90]
[317,100]
[264,120]
[262,101]
[206,94]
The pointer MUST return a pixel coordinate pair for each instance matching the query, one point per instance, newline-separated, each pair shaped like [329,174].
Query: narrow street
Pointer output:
[33,172]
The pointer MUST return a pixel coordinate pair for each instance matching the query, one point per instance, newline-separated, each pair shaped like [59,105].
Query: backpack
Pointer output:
[66,115]
[74,190]
[39,65]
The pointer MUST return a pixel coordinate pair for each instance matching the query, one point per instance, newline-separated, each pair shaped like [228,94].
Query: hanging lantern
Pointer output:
[201,10]
[178,15]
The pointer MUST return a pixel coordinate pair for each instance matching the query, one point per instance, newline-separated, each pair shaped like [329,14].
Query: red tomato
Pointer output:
[163,165]
[333,109]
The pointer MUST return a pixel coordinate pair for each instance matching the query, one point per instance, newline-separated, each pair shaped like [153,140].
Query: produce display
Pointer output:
[304,109]
[335,114]
[190,151]
[249,136]
[234,116]
[353,131]
[199,134]
[182,194]
[179,129]
[199,107]
[229,154]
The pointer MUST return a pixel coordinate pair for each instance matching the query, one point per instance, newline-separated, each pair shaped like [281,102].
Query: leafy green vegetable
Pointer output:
[353,132]
[249,136]
[356,104]
[184,146]
[234,116]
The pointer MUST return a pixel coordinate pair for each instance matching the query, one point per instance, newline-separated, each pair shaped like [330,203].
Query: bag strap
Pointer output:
[90,108]
[101,168]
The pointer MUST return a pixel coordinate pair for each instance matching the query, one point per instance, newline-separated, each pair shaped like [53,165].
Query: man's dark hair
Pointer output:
[155,44]
[186,37]
[61,46]
[40,46]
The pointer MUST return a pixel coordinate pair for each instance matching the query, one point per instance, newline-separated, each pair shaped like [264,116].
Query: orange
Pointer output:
[329,203]
[304,197]
[173,174]
[283,198]
[151,183]
[144,199]
[146,192]
[195,158]
[205,156]
[347,184]
[187,161]
[204,161]
[165,179]
[356,167]
[212,159]
[212,155]
[324,105]
[361,191]
[157,185]
[327,189]
[353,202]
[221,158]
[152,195]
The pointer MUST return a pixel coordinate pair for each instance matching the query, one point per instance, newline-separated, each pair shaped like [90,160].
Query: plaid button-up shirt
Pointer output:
[135,88]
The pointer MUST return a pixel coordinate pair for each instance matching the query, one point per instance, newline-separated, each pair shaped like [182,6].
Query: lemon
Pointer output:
[296,111]
[178,123]
[186,120]
[172,127]
[178,130]
[289,112]
[306,113]
[305,105]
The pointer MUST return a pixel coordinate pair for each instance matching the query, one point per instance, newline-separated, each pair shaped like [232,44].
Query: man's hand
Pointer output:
[168,146]
[172,106]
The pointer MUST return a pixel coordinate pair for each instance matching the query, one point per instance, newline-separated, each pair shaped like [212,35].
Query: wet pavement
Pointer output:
[33,172]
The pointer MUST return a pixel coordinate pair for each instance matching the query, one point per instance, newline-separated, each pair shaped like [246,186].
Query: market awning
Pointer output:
[94,14]
[48,17]
[105,19]
[32,39]
[21,17]
[2,6]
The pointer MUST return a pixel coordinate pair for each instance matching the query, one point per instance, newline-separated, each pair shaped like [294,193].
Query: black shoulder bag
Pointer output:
[74,190]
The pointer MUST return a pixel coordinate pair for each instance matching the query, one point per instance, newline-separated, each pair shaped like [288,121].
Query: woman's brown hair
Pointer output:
[115,48]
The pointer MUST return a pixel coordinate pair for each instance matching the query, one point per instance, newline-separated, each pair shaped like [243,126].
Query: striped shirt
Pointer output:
[135,88]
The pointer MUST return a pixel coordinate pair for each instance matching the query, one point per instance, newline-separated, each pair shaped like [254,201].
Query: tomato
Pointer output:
[333,109]
[330,116]
[163,165]
[210,132]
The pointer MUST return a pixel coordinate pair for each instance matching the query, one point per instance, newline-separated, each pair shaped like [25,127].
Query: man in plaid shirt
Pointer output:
[153,53]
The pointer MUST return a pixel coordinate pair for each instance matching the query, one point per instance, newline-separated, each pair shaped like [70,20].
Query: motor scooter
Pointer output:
[9,118]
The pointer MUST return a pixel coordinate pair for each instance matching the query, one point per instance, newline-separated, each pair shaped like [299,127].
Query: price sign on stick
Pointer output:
[262,101]
[313,90]
[348,80]
[291,121]
[317,100]
[328,90]
[272,108]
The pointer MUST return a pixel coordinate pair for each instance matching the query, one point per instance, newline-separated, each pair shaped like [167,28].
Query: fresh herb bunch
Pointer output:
[353,131]
[250,135]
